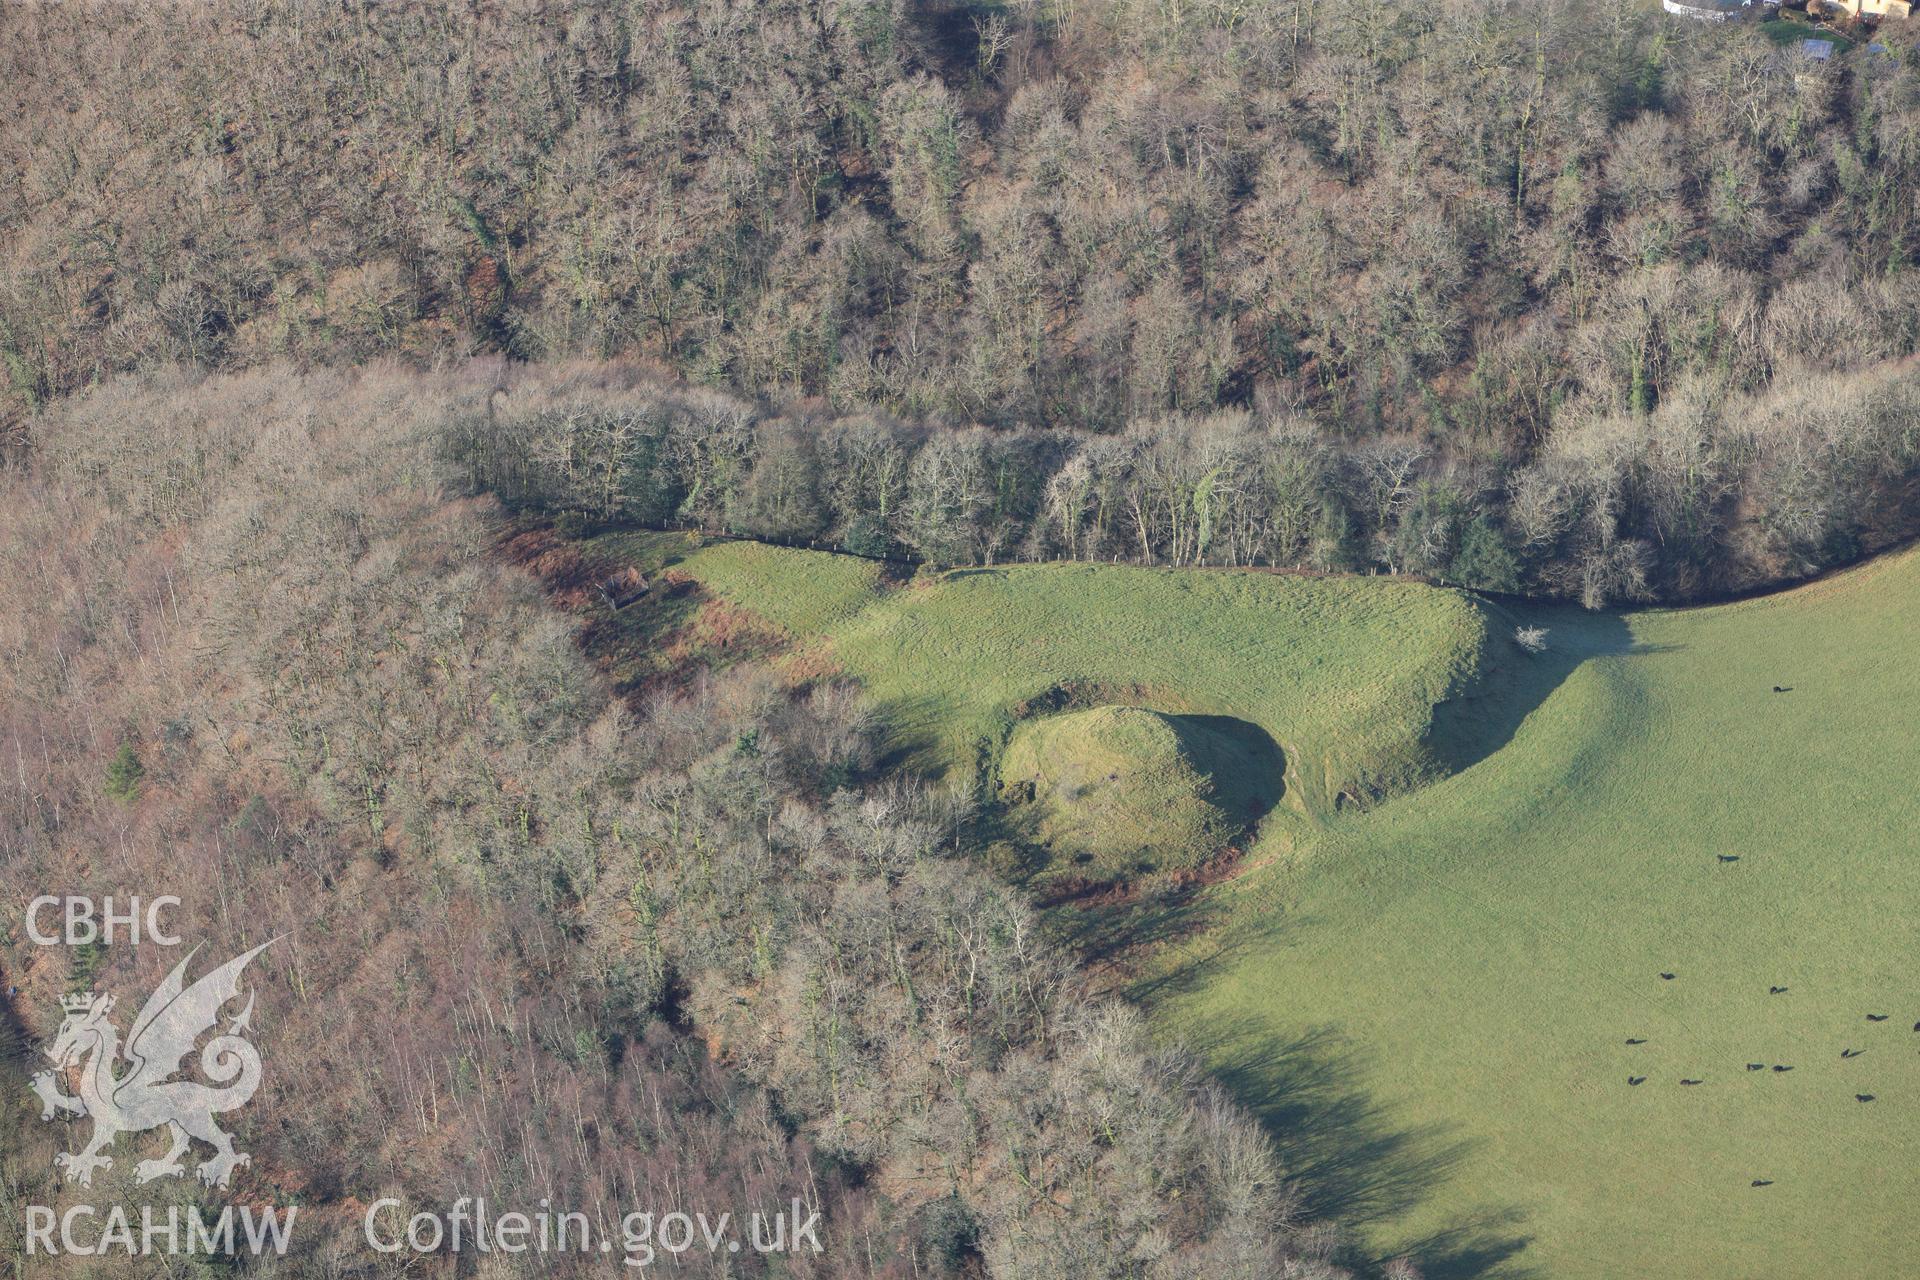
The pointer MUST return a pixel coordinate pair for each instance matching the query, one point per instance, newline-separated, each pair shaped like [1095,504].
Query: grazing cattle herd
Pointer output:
[1778,1068]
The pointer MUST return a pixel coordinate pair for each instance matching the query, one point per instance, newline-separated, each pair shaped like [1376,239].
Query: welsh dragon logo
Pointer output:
[142,1097]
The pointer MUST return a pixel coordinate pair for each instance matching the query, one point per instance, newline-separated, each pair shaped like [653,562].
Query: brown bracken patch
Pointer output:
[557,563]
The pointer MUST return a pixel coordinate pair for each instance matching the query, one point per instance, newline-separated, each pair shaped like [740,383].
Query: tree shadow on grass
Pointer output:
[908,743]
[1351,1160]
[1192,932]
[1486,1245]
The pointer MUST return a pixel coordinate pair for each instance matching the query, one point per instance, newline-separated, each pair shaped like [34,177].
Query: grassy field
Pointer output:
[1430,1000]
[801,592]
[1432,1007]
[1342,674]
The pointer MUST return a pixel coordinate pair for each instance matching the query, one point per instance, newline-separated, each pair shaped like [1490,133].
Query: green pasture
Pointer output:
[1431,1006]
[1342,674]
[1428,996]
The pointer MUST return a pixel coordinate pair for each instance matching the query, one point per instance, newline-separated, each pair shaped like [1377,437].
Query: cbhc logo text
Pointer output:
[79,922]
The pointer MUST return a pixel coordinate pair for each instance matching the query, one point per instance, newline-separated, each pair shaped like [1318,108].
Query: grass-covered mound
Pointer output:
[1343,674]
[1112,792]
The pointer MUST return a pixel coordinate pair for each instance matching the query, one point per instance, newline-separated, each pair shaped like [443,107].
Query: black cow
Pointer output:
[1851,1053]
[1631,1040]
[1763,1182]
[1756,1066]
[1636,1079]
[1776,991]
[1667,976]
[1863,1097]
[1876,1017]
[1693,1082]
[1783,1068]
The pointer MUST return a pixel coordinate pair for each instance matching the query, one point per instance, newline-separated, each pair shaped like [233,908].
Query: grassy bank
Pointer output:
[1431,998]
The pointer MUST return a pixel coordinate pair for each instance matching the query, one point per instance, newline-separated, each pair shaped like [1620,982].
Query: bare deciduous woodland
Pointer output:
[302,306]
[1559,297]
[541,943]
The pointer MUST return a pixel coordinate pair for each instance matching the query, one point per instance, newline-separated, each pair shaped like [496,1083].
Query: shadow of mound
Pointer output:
[1351,1161]
[1248,768]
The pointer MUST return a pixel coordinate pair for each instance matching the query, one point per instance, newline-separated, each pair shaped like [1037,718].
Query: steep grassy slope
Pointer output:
[1343,674]
[1434,1005]
[801,592]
